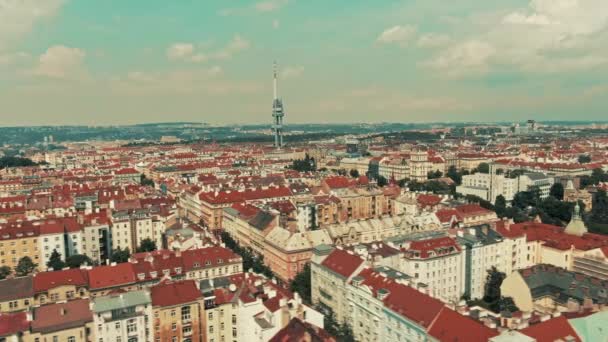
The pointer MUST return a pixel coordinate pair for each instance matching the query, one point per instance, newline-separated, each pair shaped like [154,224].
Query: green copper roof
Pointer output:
[121,301]
[592,327]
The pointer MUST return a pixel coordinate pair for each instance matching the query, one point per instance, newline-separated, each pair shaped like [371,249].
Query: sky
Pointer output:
[124,62]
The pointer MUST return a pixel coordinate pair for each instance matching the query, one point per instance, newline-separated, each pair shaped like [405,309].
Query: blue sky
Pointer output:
[119,62]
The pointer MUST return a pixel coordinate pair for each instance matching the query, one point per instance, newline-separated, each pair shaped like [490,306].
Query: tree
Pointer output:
[301,284]
[250,261]
[145,181]
[354,173]
[345,333]
[120,255]
[77,260]
[5,271]
[382,181]
[482,168]
[524,199]
[454,175]
[304,165]
[146,245]
[25,266]
[494,279]
[500,205]
[505,304]
[55,261]
[557,191]
[584,159]
[15,162]
[434,174]
[599,210]
[482,202]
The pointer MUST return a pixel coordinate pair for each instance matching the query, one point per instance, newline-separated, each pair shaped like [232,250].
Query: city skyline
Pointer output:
[73,62]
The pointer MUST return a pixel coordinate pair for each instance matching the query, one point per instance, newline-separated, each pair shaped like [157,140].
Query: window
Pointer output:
[131,326]
[234,332]
[172,313]
[185,313]
[117,325]
[210,315]
[173,326]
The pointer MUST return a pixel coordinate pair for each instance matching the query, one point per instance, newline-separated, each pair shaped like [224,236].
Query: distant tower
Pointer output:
[277,114]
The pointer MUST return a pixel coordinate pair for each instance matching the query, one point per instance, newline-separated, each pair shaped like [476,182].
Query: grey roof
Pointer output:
[121,301]
[481,234]
[261,220]
[185,232]
[391,273]
[16,288]
[547,280]
[536,175]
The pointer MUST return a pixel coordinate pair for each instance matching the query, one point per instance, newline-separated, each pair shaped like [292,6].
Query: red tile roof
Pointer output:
[430,248]
[102,277]
[452,326]
[554,236]
[228,196]
[425,200]
[342,262]
[551,330]
[13,323]
[298,331]
[60,316]
[174,293]
[44,281]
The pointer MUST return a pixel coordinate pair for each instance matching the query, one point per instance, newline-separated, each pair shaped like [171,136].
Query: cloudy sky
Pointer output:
[119,62]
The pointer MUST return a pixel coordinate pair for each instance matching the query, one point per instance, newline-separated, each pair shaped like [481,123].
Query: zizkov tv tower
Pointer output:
[277,114]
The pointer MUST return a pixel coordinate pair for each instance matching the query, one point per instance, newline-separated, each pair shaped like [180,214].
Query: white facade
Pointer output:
[125,317]
[92,241]
[46,244]
[442,274]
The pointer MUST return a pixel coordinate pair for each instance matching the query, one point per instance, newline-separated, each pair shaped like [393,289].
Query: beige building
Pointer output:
[16,294]
[69,321]
[331,271]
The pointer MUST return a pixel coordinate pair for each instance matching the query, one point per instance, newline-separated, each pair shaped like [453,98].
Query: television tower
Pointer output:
[277,114]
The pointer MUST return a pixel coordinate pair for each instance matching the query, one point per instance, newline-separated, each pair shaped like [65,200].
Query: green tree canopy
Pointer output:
[301,284]
[25,266]
[5,271]
[120,255]
[557,191]
[146,245]
[55,261]
[77,260]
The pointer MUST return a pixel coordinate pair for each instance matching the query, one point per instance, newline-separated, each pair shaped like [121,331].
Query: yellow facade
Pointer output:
[13,250]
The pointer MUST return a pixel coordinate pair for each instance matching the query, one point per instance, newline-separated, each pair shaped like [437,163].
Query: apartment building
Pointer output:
[178,312]
[123,317]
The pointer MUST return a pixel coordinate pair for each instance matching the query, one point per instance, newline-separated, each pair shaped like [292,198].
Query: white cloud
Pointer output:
[548,36]
[432,40]
[63,62]
[187,52]
[237,44]
[292,71]
[397,34]
[180,51]
[18,17]
[533,19]
[270,5]
[12,58]
[469,56]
